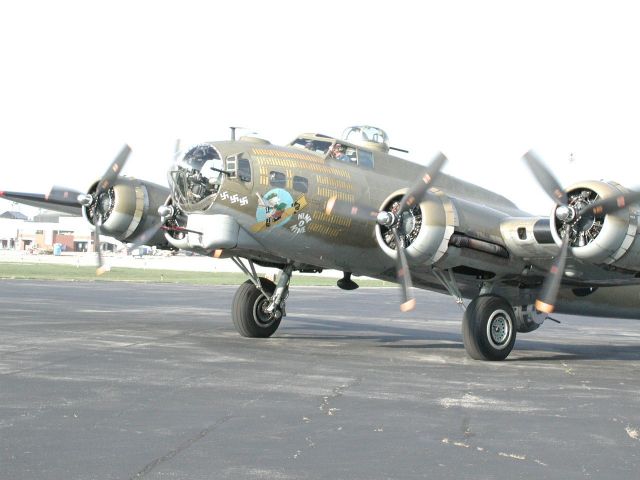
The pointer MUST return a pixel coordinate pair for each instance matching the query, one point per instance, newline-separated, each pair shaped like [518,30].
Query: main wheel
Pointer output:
[248,310]
[488,328]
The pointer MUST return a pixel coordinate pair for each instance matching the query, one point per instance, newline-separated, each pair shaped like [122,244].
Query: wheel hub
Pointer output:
[262,315]
[499,328]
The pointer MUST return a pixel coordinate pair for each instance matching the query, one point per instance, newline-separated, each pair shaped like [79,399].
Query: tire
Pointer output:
[489,328]
[247,314]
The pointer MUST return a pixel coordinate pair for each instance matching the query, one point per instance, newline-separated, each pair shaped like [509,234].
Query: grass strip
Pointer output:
[44,271]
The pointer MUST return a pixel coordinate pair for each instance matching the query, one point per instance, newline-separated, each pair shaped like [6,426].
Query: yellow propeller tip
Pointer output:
[544,307]
[103,269]
[408,305]
[331,203]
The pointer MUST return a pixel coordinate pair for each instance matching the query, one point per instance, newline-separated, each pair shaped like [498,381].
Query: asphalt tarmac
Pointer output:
[129,381]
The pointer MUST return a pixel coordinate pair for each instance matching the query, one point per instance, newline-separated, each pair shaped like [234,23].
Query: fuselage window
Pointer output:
[300,184]
[277,179]
[244,170]
[365,159]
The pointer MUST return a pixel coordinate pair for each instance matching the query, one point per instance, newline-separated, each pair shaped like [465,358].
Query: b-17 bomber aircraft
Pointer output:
[348,204]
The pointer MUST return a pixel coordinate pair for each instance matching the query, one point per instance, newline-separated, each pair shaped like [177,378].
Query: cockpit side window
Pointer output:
[316,146]
[365,159]
[343,153]
[352,155]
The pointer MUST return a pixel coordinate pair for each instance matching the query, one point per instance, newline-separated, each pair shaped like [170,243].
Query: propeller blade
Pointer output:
[403,275]
[417,192]
[113,171]
[611,204]
[345,209]
[98,247]
[63,196]
[145,236]
[547,298]
[545,178]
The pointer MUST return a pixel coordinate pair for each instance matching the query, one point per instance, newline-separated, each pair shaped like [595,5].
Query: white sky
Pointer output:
[481,81]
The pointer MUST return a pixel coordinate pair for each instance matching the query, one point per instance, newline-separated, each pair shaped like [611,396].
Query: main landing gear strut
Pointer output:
[259,304]
[489,323]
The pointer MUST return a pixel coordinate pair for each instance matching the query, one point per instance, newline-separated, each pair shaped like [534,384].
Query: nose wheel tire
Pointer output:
[488,328]
[249,310]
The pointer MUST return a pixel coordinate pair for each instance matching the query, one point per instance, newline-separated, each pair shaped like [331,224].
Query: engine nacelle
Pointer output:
[427,226]
[600,239]
[128,208]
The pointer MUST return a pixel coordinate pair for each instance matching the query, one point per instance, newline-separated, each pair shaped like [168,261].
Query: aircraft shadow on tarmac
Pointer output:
[385,335]
[391,336]
[564,351]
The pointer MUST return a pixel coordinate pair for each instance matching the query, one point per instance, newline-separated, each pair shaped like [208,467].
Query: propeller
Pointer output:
[102,268]
[96,200]
[419,189]
[570,215]
[403,274]
[545,178]
[393,220]
[107,181]
[549,293]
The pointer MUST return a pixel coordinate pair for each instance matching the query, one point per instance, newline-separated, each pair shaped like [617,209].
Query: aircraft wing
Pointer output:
[39,200]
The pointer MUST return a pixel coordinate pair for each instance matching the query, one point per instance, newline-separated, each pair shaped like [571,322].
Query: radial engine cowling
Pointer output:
[597,238]
[128,208]
[425,228]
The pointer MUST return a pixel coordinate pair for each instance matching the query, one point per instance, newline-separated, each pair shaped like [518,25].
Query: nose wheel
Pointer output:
[488,328]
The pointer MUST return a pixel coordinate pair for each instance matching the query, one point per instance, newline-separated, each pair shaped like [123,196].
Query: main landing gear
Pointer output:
[489,323]
[489,328]
[259,304]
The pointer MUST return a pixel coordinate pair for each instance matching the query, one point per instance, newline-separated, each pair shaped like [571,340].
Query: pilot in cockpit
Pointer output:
[337,153]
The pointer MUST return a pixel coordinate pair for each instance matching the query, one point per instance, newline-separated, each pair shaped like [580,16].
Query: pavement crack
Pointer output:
[325,406]
[483,450]
[180,448]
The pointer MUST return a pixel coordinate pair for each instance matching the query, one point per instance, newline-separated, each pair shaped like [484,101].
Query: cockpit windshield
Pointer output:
[195,177]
